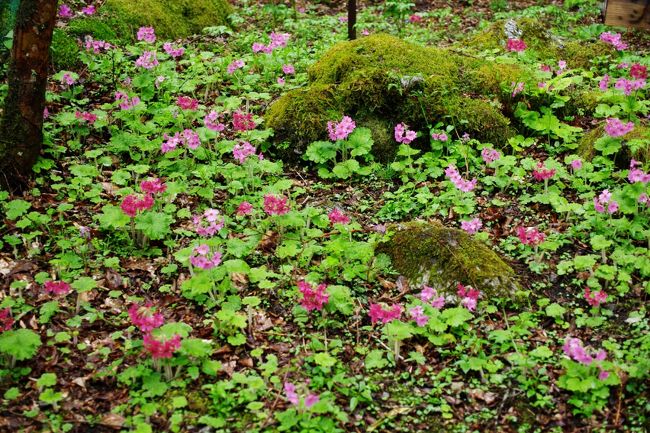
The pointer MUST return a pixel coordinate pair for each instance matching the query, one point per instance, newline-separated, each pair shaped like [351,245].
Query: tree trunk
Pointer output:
[352,20]
[21,134]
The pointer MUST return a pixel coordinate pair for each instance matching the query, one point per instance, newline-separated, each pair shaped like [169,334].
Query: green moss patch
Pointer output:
[441,257]
[387,80]
[636,144]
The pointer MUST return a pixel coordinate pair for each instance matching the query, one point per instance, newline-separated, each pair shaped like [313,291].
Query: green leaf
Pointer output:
[456,316]
[360,141]
[197,348]
[340,299]
[541,352]
[48,310]
[321,151]
[112,217]
[154,225]
[324,359]
[16,208]
[375,359]
[20,343]
[46,379]
[49,396]
[396,330]
[555,310]
[84,284]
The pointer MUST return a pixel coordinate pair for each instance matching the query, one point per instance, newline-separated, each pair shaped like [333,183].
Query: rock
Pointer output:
[383,80]
[636,145]
[441,257]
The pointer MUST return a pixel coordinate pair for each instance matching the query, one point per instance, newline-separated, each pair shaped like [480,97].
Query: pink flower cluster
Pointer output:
[628,86]
[208,223]
[615,128]
[576,164]
[403,134]
[596,298]
[613,39]
[146,34]
[161,349]
[542,173]
[67,79]
[278,40]
[126,103]
[86,117]
[89,10]
[530,236]
[188,137]
[336,216]
[313,298]
[604,83]
[145,318]
[153,186]
[454,176]
[244,208]
[517,88]
[131,204]
[516,45]
[341,130]
[574,349]
[604,203]
[439,136]
[65,11]
[57,287]
[429,295]
[243,150]
[172,51]
[636,174]
[469,296]
[242,121]
[288,69]
[490,155]
[148,60]
[203,258]
[639,71]
[96,46]
[187,103]
[234,65]
[472,226]
[293,398]
[417,314]
[6,321]
[275,205]
[377,313]
[211,121]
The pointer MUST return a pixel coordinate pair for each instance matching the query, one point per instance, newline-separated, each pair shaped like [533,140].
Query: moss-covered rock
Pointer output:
[441,257]
[579,54]
[64,50]
[383,78]
[636,144]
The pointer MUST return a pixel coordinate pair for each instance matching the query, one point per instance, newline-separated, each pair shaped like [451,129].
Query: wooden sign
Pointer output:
[628,13]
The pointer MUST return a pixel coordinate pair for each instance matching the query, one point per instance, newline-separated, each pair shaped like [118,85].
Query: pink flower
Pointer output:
[208,223]
[636,174]
[275,205]
[639,71]
[67,79]
[288,69]
[281,81]
[147,60]
[161,349]
[153,186]
[561,66]
[516,45]
[616,128]
[644,199]
[417,314]
[365,32]
[613,39]
[311,400]
[490,155]
[46,113]
[279,40]
[576,164]
[517,88]
[57,287]
[187,103]
[174,52]
[86,117]
[604,83]
[6,321]
[604,203]
[211,121]
[290,393]
[377,313]
[65,11]
[338,217]
[454,176]
[542,173]
[469,298]
[429,295]
[596,298]
[545,68]
[441,136]
[88,10]
[191,139]
[628,86]
[233,66]
[244,208]
[131,204]
[96,46]
[125,102]
[404,135]
[313,299]
[147,34]
[145,318]
[472,226]
[574,349]
[203,258]
[530,236]
[342,129]
[242,122]
[242,151]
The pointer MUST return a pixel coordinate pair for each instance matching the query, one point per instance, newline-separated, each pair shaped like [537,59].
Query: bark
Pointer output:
[21,134]
[352,19]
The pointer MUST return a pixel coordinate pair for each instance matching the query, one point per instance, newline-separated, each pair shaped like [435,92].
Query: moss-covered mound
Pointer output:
[636,144]
[429,253]
[548,47]
[382,78]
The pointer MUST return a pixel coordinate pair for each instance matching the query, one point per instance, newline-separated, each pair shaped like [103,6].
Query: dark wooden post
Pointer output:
[21,135]
[352,19]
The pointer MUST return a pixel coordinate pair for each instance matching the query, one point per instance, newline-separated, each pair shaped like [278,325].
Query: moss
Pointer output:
[382,78]
[382,135]
[636,145]
[429,253]
[104,29]
[64,50]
